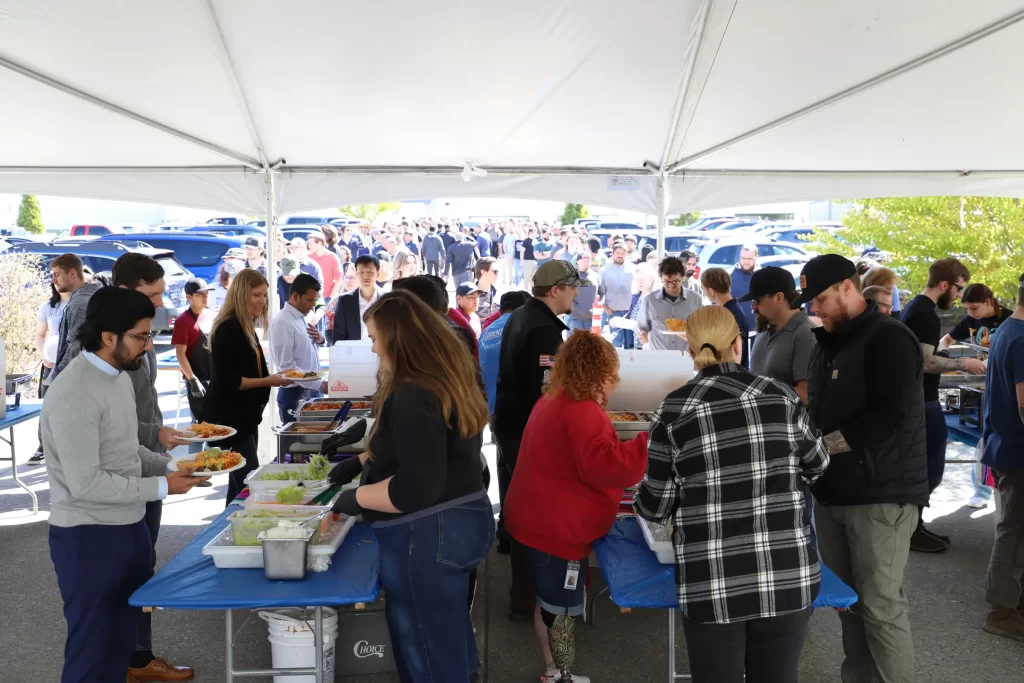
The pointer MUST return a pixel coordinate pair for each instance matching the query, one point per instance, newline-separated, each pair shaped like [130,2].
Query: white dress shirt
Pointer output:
[364,305]
[290,345]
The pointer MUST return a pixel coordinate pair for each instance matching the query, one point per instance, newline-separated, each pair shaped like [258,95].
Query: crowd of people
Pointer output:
[831,410]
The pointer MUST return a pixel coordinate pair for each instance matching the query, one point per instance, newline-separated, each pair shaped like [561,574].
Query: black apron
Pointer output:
[201,361]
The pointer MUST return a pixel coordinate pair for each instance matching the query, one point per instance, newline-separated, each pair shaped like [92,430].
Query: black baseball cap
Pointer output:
[820,273]
[513,299]
[196,284]
[769,281]
[468,288]
[254,242]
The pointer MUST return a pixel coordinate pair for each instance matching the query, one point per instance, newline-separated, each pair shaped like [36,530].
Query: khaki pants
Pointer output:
[867,547]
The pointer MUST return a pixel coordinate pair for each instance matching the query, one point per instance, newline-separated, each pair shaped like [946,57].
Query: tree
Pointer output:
[370,212]
[24,282]
[985,233]
[29,215]
[686,218]
[572,212]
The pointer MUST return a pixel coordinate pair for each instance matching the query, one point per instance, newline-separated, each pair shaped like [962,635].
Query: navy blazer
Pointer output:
[346,317]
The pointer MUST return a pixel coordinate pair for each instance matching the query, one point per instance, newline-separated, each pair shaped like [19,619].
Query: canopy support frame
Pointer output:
[121,111]
[884,77]
[696,46]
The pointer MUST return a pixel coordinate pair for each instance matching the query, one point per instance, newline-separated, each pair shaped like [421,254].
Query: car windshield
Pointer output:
[172,269]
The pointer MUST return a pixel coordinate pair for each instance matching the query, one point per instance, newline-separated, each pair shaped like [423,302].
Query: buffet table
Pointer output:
[15,416]
[636,579]
[190,581]
[964,433]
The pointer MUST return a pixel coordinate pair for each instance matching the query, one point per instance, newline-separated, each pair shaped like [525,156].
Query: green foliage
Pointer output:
[572,212]
[686,218]
[370,212]
[24,282]
[985,233]
[29,215]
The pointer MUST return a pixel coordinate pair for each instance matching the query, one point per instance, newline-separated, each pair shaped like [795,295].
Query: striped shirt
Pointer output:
[729,457]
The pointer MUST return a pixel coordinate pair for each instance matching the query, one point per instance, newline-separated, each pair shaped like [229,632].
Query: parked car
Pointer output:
[356,221]
[794,232]
[99,256]
[589,223]
[617,227]
[726,253]
[307,220]
[93,230]
[225,220]
[230,230]
[199,252]
[302,231]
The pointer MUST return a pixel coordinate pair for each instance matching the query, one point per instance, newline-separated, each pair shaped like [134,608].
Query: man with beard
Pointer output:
[529,343]
[616,289]
[692,283]
[101,477]
[144,275]
[865,394]
[946,280]
[782,349]
[741,275]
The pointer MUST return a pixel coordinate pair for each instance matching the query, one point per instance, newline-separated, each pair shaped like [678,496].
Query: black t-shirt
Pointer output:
[734,307]
[429,463]
[962,330]
[528,250]
[923,321]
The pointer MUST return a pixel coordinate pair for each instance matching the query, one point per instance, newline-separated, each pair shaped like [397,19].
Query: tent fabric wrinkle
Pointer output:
[741,102]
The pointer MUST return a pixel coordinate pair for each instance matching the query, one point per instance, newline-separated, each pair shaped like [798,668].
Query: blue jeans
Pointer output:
[575,324]
[425,565]
[619,338]
[289,398]
[549,574]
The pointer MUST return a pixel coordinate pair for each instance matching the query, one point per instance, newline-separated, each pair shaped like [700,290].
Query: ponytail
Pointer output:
[712,330]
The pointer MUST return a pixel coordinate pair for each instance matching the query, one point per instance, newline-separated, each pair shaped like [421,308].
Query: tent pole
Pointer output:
[272,302]
[103,104]
[662,212]
[946,49]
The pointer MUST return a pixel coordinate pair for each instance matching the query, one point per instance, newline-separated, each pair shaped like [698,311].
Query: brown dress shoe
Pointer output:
[160,670]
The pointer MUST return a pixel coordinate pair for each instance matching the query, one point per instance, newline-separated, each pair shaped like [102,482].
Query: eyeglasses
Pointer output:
[671,282]
[144,338]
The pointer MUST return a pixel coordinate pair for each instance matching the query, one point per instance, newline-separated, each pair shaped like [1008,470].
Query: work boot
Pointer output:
[1006,622]
[924,542]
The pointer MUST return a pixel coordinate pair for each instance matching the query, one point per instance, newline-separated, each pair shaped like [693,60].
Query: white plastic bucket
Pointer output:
[292,644]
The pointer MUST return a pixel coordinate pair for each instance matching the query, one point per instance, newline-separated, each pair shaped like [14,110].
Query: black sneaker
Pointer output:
[38,458]
[944,539]
[924,542]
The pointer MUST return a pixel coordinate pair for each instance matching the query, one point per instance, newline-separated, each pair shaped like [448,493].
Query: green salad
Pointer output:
[290,495]
[316,469]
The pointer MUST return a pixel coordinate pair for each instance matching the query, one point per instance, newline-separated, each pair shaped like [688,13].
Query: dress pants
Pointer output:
[98,567]
[434,267]
[245,443]
[522,594]
[144,631]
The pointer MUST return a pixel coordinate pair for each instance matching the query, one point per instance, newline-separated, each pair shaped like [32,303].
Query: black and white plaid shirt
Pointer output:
[729,457]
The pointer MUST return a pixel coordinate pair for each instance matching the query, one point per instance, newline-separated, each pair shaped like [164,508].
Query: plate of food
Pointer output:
[204,431]
[675,326]
[210,461]
[303,375]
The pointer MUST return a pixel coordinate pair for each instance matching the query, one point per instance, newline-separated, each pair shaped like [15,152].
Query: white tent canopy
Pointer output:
[653,105]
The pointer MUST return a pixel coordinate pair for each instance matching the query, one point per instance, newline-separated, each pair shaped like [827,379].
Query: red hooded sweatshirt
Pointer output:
[569,477]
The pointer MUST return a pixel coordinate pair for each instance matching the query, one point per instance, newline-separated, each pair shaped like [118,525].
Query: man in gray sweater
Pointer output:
[100,480]
[143,274]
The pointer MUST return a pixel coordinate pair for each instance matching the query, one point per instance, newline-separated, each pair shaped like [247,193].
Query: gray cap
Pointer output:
[555,273]
[289,266]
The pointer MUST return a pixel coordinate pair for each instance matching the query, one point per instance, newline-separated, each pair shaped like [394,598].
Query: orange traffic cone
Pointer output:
[596,316]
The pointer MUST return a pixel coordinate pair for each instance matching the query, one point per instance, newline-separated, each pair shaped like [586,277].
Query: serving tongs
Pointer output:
[339,417]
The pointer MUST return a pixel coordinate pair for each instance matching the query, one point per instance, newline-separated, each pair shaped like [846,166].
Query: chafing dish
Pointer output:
[308,434]
[628,429]
[972,406]
[326,408]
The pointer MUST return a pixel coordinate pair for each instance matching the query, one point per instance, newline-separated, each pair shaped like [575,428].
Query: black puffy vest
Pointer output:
[888,464]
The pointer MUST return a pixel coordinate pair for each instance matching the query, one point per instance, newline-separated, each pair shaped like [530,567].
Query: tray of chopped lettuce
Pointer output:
[228,554]
[274,476]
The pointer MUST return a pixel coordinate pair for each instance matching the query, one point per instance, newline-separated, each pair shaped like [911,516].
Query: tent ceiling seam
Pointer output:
[906,67]
[109,106]
[697,34]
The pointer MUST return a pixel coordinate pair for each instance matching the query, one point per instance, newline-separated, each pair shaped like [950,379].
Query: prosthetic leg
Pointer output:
[562,639]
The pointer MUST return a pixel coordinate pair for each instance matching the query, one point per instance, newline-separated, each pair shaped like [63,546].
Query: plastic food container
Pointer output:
[659,539]
[246,525]
[285,558]
[256,482]
[227,555]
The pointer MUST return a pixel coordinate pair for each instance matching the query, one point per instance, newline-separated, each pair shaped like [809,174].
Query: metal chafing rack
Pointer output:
[628,428]
[325,409]
[307,435]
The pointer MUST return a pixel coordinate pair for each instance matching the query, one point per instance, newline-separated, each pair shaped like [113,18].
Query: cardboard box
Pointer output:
[353,370]
[647,377]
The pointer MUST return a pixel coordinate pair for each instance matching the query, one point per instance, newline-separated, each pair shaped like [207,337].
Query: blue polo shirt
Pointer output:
[489,347]
[1003,431]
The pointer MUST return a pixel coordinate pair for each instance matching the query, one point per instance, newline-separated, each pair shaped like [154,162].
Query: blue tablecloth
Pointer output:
[190,581]
[26,411]
[965,434]
[636,578]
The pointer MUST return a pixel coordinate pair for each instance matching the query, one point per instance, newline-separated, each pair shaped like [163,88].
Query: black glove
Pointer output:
[196,388]
[353,434]
[346,504]
[345,471]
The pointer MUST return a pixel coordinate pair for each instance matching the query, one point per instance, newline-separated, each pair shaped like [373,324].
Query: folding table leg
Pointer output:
[319,635]
[672,675]
[229,662]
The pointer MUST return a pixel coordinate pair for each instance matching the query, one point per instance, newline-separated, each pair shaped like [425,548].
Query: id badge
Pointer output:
[572,575]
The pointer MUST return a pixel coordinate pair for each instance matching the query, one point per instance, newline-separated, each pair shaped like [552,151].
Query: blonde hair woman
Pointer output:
[405,264]
[423,490]
[728,461]
[240,382]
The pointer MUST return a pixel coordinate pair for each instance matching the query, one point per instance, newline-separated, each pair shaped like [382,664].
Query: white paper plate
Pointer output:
[674,334]
[173,466]
[199,439]
[306,379]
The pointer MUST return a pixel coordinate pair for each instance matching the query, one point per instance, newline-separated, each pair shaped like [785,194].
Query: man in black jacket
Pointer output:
[460,259]
[866,395]
[529,343]
[348,312]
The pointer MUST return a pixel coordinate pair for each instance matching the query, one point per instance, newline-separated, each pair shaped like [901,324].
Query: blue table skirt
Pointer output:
[965,434]
[190,581]
[26,411]
[636,578]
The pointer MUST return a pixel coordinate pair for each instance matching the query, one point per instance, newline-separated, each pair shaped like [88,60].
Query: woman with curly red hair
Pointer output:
[567,486]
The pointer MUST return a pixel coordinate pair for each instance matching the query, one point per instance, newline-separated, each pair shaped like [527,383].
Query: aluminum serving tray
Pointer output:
[309,412]
[287,435]
[629,429]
